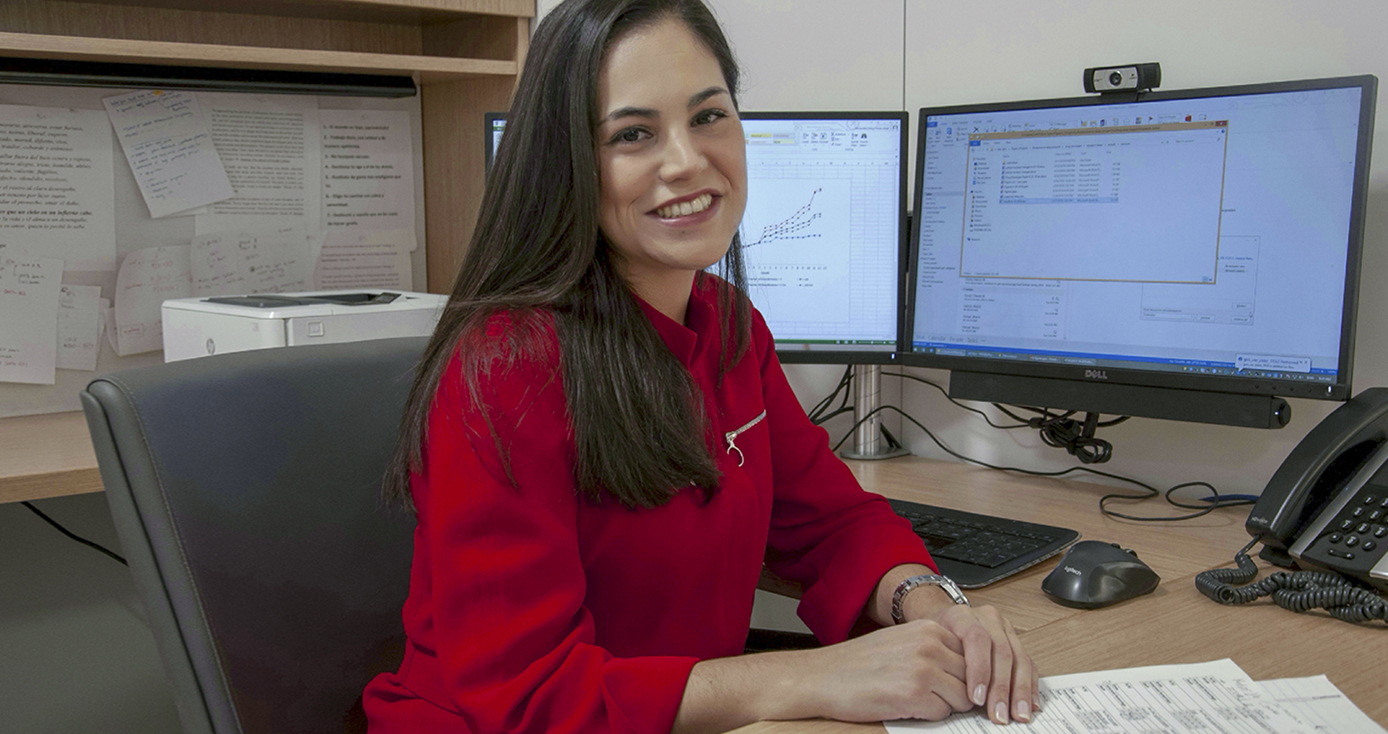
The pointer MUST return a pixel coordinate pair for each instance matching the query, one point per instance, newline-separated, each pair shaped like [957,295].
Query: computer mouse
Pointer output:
[1096,574]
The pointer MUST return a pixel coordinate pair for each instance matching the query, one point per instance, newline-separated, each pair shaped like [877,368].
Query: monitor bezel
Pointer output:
[1339,390]
[829,356]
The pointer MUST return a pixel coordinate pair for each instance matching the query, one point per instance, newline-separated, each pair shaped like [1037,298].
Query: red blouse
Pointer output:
[532,609]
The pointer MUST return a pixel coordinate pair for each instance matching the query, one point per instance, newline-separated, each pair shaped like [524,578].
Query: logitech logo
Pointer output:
[1096,374]
[1070,569]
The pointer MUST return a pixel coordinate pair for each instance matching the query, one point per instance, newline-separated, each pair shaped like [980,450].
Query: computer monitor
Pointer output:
[1185,255]
[495,125]
[823,235]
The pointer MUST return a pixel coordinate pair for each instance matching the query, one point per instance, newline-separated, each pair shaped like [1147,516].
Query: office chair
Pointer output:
[245,490]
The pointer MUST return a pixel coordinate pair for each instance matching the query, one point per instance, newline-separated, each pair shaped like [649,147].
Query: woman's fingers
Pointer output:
[1024,677]
[999,675]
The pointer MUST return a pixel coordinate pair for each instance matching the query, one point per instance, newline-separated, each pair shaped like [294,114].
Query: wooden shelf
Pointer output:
[430,69]
[46,456]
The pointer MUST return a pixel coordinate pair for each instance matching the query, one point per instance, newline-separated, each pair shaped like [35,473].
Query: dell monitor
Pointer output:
[823,234]
[1190,255]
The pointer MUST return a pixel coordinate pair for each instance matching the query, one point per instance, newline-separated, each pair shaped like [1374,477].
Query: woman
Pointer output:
[602,449]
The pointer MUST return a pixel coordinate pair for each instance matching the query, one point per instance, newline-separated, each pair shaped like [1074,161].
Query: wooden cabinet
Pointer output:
[465,55]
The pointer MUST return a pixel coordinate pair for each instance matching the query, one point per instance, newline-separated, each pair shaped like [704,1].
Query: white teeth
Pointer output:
[686,208]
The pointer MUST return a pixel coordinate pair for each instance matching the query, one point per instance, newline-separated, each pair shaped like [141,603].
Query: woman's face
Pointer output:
[671,156]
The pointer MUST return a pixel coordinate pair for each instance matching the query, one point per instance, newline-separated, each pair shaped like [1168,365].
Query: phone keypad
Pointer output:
[1355,539]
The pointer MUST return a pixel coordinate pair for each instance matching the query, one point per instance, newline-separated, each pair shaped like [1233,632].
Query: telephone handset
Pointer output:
[1338,462]
[1325,508]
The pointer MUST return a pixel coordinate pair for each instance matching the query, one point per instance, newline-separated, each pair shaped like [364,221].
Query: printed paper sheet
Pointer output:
[56,184]
[1215,696]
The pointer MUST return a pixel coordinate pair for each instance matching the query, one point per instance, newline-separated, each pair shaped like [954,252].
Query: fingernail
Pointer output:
[980,695]
[1000,712]
[1023,710]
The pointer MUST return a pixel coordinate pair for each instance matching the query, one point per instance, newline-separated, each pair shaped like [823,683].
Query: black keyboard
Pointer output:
[976,550]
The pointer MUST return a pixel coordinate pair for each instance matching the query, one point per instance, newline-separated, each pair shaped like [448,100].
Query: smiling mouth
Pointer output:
[685,208]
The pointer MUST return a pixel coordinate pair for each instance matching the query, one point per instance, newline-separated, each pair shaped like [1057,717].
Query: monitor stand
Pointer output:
[867,436]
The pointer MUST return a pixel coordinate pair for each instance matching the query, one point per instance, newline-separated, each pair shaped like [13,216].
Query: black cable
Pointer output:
[1057,430]
[1150,491]
[816,413]
[72,535]
[1298,591]
[1021,422]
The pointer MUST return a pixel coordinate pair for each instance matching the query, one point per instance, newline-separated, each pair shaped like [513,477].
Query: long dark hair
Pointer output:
[638,419]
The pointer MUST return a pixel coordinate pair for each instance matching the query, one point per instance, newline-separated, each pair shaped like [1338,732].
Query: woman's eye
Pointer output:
[630,135]
[707,116]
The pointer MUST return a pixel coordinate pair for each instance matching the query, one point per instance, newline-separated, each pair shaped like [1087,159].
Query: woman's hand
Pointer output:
[914,670]
[999,674]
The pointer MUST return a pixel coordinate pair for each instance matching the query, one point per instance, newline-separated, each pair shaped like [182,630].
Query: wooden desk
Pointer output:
[1175,624]
[46,456]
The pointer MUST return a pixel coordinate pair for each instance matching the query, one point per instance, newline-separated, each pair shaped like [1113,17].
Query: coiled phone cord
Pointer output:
[1299,591]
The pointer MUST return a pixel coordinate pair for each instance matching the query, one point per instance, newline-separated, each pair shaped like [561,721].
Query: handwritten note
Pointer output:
[1216,696]
[146,279]
[368,170]
[169,147]
[352,259]
[29,292]
[57,183]
[79,327]
[228,263]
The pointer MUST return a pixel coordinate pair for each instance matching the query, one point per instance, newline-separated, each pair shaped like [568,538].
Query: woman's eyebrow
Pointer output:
[703,96]
[646,112]
[621,112]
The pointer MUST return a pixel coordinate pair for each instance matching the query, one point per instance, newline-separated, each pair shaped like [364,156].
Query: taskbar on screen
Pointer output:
[1149,364]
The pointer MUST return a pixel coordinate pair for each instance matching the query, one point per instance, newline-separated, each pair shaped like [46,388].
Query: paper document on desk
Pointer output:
[1216,696]
[1320,705]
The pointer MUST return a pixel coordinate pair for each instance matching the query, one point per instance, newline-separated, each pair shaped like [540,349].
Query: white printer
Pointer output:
[197,327]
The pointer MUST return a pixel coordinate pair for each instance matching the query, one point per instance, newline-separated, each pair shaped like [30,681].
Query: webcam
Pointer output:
[1128,78]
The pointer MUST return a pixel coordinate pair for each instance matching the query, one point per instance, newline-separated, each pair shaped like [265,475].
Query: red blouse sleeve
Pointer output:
[515,643]
[827,534]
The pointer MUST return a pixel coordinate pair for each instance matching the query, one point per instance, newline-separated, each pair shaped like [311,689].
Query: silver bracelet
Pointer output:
[925,579]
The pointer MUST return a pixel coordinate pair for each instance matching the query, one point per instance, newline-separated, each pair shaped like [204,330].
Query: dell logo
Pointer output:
[1096,374]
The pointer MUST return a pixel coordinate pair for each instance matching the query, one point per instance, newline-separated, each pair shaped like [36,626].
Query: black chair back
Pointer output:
[246,492]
